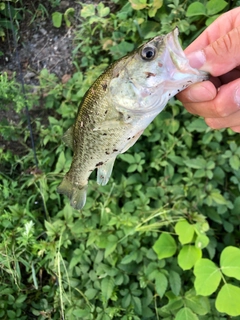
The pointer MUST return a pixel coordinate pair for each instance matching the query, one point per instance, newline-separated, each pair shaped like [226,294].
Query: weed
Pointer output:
[144,243]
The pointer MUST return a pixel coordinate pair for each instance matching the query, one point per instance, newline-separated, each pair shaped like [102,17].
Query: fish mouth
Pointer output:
[178,57]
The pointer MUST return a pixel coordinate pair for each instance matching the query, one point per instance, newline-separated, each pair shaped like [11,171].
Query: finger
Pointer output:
[228,122]
[236,129]
[196,95]
[222,25]
[226,102]
[220,56]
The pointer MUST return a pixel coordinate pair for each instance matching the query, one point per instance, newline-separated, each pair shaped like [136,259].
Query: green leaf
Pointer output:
[137,305]
[234,162]
[61,162]
[126,300]
[228,300]
[198,163]
[128,158]
[138,4]
[230,262]
[196,9]
[208,277]
[57,19]
[88,10]
[156,4]
[201,241]
[107,286]
[165,246]
[215,6]
[186,314]
[188,256]
[175,282]
[102,10]
[91,293]
[111,245]
[185,231]
[198,125]
[198,304]
[218,198]
[68,16]
[161,283]
[11,314]
[174,126]
[21,299]
[236,208]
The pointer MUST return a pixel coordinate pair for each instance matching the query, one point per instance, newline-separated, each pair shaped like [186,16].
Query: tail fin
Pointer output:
[76,194]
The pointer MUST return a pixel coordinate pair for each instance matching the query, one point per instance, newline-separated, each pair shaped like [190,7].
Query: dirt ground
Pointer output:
[39,45]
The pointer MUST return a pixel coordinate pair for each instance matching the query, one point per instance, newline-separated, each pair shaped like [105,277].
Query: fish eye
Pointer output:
[148,53]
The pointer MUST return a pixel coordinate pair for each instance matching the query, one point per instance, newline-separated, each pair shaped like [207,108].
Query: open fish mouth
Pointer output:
[178,57]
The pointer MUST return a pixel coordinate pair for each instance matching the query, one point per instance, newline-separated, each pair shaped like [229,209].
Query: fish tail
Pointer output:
[76,194]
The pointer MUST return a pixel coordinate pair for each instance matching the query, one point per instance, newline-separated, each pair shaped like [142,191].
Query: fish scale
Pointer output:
[119,106]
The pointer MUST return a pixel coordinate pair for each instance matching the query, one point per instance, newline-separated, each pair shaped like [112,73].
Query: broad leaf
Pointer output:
[215,6]
[208,277]
[197,304]
[198,163]
[201,241]
[196,9]
[186,314]
[175,282]
[230,262]
[107,285]
[188,256]
[228,300]
[185,231]
[161,283]
[165,246]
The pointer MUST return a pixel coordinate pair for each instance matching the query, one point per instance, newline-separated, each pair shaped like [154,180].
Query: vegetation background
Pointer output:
[161,240]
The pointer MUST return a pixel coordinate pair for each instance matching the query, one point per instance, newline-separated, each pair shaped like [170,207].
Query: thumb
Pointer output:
[219,57]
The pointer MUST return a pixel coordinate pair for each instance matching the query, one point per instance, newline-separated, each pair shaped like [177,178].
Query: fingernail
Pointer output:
[196,59]
[237,96]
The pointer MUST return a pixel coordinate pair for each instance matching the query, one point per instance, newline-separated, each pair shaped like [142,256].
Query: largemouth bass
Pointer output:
[119,106]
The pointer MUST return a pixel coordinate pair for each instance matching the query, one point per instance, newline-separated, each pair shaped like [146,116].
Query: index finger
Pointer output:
[221,26]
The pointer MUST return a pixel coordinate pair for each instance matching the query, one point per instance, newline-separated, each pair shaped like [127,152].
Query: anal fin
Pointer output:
[104,172]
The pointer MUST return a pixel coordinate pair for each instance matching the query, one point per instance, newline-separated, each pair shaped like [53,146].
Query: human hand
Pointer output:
[217,51]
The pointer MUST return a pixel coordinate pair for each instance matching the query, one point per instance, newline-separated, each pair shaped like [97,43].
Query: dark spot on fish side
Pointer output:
[129,138]
[104,86]
[115,150]
[106,112]
[104,134]
[117,75]
[99,164]
[106,152]
[150,74]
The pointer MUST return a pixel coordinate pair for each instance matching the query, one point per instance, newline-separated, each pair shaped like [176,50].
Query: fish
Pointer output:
[119,105]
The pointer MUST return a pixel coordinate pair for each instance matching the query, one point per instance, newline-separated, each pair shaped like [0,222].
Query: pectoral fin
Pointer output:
[132,141]
[107,124]
[67,138]
[104,172]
